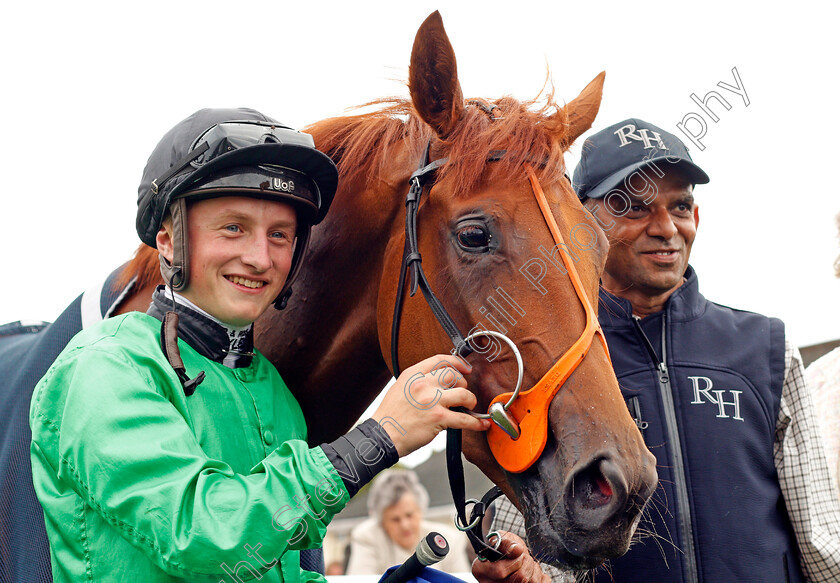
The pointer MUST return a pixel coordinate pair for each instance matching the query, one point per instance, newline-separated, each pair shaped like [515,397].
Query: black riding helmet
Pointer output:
[232,152]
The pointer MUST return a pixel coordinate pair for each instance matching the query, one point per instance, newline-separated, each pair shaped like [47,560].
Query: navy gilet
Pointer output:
[709,416]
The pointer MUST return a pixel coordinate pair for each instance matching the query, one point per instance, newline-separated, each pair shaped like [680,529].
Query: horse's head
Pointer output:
[489,256]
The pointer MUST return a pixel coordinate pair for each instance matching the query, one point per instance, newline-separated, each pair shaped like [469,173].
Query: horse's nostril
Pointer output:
[591,489]
[603,486]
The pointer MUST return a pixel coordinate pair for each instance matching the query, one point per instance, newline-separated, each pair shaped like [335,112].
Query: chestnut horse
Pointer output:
[482,238]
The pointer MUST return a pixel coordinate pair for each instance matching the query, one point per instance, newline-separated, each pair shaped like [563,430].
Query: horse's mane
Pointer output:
[528,132]
[145,266]
[363,145]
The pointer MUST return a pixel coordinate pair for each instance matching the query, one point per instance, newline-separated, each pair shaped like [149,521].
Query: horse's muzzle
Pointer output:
[592,516]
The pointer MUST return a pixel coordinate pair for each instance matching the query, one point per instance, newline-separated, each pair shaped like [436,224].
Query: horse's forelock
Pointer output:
[529,131]
[526,131]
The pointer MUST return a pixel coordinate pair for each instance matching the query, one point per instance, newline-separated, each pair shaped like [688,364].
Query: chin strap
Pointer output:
[283,300]
[169,346]
[298,254]
[177,272]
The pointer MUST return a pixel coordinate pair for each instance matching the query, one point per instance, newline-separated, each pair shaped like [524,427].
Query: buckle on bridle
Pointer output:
[495,546]
[476,517]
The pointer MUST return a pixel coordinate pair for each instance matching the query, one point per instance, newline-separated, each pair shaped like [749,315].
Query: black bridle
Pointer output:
[425,175]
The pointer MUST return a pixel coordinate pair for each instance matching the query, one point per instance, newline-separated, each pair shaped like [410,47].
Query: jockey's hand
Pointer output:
[518,566]
[417,406]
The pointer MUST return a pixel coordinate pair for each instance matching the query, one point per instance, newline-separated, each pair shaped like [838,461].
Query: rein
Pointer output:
[520,425]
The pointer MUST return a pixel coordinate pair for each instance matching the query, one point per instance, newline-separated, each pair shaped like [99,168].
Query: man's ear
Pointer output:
[696,216]
[164,242]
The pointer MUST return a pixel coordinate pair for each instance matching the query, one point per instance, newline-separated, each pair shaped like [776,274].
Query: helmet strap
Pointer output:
[301,246]
[283,299]
[169,344]
[177,272]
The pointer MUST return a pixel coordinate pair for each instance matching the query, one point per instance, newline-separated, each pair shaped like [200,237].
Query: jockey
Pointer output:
[164,446]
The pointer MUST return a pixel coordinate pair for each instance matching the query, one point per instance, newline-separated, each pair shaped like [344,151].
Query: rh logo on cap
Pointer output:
[284,185]
[641,135]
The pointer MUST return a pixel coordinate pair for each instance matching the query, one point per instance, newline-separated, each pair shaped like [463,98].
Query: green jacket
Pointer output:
[139,482]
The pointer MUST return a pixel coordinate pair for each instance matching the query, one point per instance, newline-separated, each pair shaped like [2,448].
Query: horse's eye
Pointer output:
[473,237]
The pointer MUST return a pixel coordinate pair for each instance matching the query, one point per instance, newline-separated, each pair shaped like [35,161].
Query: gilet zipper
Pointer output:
[683,506]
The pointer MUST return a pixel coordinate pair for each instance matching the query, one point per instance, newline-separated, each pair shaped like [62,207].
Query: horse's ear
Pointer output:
[433,77]
[581,111]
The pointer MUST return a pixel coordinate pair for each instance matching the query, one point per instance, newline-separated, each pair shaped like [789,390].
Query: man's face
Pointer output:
[240,255]
[401,521]
[650,243]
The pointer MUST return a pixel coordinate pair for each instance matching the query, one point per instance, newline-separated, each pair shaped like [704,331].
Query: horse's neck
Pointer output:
[325,343]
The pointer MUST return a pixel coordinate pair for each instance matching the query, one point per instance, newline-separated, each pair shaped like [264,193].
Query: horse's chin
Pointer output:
[572,551]
[546,546]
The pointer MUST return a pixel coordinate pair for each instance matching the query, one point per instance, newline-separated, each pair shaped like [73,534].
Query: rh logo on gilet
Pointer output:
[703,394]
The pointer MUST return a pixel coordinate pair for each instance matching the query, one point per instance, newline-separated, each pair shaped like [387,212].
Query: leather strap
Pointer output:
[176,274]
[472,526]
[169,345]
[413,261]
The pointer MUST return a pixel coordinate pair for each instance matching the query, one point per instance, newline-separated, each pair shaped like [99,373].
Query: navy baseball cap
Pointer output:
[614,153]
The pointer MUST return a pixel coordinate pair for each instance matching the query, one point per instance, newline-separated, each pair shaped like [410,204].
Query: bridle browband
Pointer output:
[519,433]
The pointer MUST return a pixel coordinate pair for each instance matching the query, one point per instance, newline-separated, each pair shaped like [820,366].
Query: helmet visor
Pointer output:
[226,137]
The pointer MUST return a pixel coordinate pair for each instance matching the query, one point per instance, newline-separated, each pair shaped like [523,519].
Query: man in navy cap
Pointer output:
[718,393]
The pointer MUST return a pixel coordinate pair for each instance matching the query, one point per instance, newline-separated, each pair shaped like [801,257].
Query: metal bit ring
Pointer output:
[519,364]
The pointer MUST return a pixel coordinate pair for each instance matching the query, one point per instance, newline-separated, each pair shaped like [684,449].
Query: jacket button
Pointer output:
[268,436]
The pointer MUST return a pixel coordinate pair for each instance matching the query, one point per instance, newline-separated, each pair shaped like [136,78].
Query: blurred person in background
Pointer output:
[335,568]
[823,377]
[396,504]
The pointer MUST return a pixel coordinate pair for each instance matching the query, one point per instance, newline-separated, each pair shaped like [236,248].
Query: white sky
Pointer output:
[88,89]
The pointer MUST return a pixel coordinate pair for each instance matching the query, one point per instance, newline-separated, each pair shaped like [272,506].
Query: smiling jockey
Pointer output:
[164,446]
